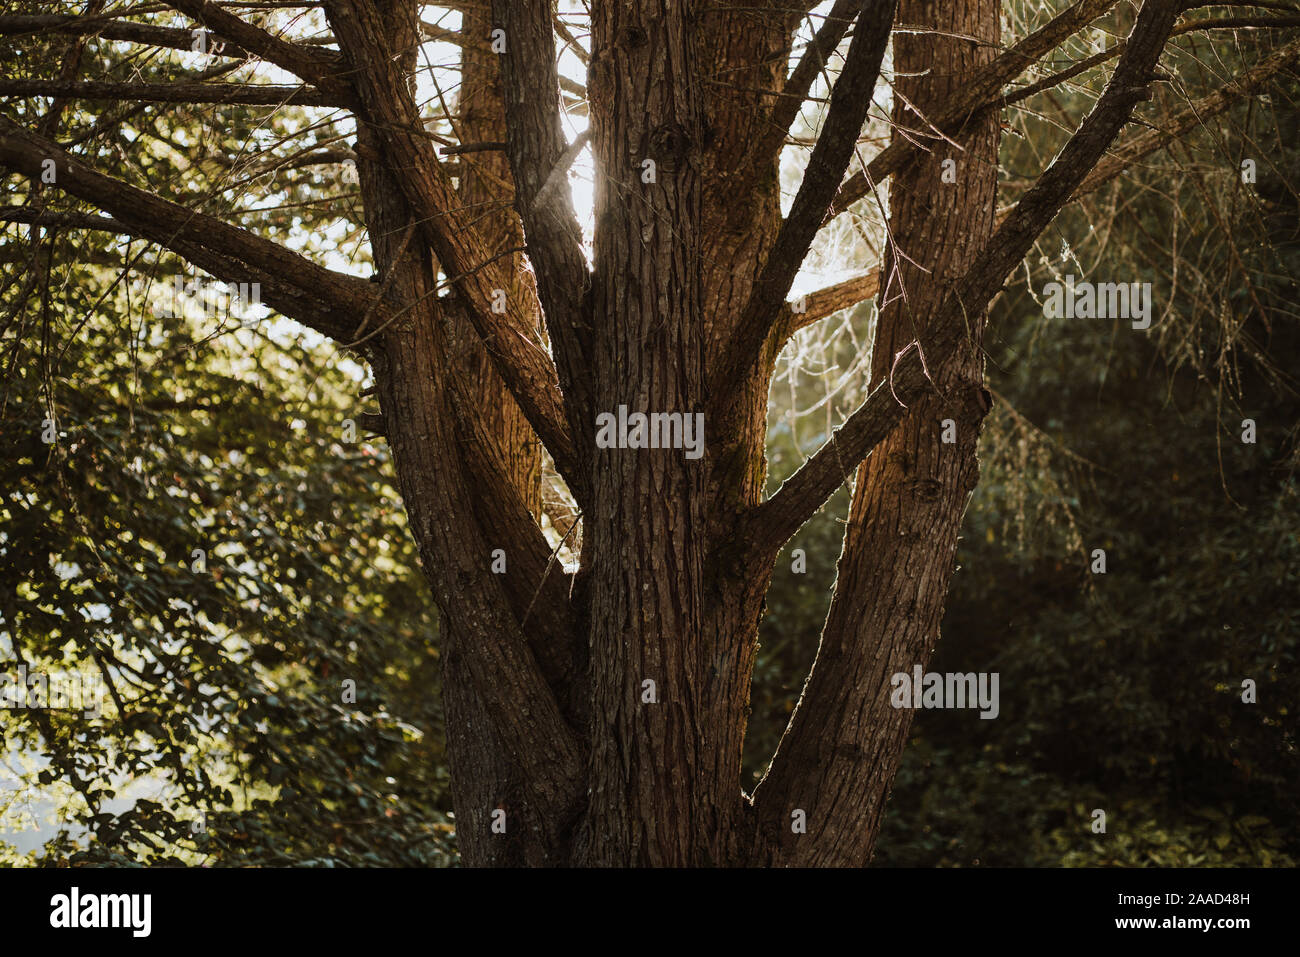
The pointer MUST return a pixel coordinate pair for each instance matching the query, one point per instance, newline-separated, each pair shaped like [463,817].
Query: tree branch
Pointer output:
[539,160]
[817,305]
[771,524]
[981,92]
[1220,23]
[431,31]
[328,301]
[811,64]
[850,100]
[63,219]
[126,31]
[831,299]
[448,229]
[1151,140]
[828,748]
[984,92]
[539,596]
[321,68]
[193,91]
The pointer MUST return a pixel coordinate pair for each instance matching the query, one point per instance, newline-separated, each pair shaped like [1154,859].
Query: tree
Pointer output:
[596,714]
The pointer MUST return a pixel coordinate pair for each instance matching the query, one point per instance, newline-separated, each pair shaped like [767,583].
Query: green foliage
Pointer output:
[228,737]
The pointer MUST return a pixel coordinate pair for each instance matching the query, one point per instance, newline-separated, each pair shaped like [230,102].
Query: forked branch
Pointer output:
[850,100]
[771,524]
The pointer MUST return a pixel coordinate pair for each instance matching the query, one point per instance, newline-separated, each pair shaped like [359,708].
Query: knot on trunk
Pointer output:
[670,144]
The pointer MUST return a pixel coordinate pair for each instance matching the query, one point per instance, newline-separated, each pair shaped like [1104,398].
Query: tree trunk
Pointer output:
[910,495]
[598,718]
[491,773]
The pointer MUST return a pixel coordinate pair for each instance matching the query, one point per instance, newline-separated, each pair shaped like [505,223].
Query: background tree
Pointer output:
[677,303]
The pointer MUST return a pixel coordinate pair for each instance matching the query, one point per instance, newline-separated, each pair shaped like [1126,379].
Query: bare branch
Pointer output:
[772,523]
[539,160]
[850,100]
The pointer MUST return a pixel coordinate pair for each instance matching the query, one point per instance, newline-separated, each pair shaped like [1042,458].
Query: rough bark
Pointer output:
[498,705]
[656,792]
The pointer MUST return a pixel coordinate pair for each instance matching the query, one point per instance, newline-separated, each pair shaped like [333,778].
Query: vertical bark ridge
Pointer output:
[655,794]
